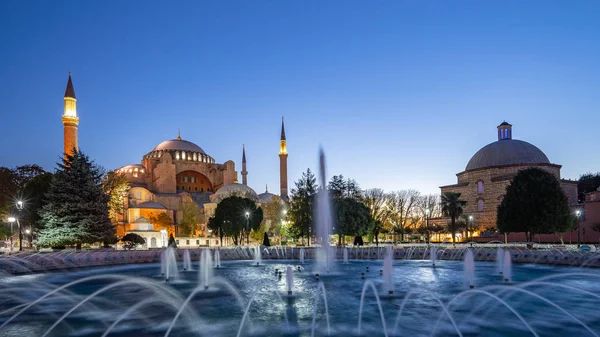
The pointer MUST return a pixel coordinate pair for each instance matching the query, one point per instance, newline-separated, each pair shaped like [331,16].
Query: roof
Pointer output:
[282,130]
[150,204]
[507,152]
[235,189]
[141,220]
[504,124]
[178,144]
[70,92]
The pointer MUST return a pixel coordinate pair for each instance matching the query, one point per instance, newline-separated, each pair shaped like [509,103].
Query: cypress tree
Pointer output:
[76,209]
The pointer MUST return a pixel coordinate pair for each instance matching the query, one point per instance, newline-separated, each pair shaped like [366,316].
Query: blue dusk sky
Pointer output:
[399,93]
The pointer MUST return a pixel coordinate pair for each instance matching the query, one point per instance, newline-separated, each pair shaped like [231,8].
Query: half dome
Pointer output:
[507,152]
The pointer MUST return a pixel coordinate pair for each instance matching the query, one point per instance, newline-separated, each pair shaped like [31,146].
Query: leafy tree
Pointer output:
[161,220]
[534,203]
[273,212]
[34,193]
[352,218]
[76,210]
[192,216]
[376,201]
[130,240]
[587,183]
[172,242]
[452,207]
[402,206]
[301,206]
[230,218]
[340,188]
[115,185]
[9,187]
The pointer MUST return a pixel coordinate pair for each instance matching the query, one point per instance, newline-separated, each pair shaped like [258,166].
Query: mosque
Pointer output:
[483,182]
[173,173]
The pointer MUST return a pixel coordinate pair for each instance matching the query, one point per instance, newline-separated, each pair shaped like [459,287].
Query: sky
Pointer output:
[400,94]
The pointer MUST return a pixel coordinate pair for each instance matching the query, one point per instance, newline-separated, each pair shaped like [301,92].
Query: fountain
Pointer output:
[470,269]
[345,255]
[499,257]
[433,255]
[217,259]
[187,260]
[388,270]
[507,267]
[168,264]
[289,276]
[257,256]
[324,258]
[205,271]
[301,255]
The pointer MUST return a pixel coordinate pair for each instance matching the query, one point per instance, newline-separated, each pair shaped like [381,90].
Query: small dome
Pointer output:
[150,204]
[266,197]
[178,145]
[131,168]
[507,152]
[141,220]
[237,190]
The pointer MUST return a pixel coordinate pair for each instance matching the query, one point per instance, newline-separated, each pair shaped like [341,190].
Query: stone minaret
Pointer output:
[244,172]
[283,155]
[70,120]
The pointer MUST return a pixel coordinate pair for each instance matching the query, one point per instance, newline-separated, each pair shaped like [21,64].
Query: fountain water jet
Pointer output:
[345,255]
[289,276]
[388,270]
[168,264]
[507,267]
[499,262]
[301,255]
[257,256]
[217,259]
[187,260]
[433,255]
[470,269]
[324,258]
[205,273]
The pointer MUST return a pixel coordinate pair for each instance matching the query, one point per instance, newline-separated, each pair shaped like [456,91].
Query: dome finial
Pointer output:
[178,134]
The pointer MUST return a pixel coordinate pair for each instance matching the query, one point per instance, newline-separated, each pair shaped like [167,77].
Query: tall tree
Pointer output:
[534,203]
[76,210]
[273,212]
[452,207]
[230,218]
[34,194]
[587,183]
[376,201]
[301,206]
[115,185]
[12,185]
[352,218]
[340,188]
[192,216]
[161,220]
[401,207]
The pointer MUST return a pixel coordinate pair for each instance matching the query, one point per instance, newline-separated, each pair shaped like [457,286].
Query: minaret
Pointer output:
[244,172]
[70,120]
[283,154]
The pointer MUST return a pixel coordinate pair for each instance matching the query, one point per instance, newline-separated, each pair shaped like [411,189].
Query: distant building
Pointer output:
[483,182]
[174,172]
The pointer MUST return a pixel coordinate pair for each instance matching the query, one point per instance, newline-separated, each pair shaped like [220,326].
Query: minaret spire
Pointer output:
[244,172]
[70,119]
[283,154]
[178,134]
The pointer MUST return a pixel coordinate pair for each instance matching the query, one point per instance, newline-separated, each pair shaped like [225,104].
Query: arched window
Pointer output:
[177,155]
[183,155]
[480,187]
[480,205]
[153,243]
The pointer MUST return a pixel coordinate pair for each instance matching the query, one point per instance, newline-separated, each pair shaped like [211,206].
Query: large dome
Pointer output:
[237,190]
[178,144]
[507,152]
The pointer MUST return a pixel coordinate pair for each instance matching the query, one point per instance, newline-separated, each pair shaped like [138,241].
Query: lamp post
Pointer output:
[469,225]
[28,232]
[427,224]
[247,228]
[20,208]
[578,213]
[11,220]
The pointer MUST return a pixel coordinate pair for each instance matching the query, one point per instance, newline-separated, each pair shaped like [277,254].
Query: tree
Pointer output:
[452,207]
[376,201]
[401,206]
[352,218]
[34,193]
[301,206]
[273,212]
[130,240]
[217,228]
[534,203]
[340,188]
[9,187]
[172,242]
[192,216]
[161,220]
[115,186]
[587,183]
[230,218]
[76,210]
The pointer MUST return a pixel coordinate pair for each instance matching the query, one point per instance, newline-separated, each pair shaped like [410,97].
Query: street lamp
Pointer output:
[247,228]
[427,224]
[11,220]
[20,208]
[578,213]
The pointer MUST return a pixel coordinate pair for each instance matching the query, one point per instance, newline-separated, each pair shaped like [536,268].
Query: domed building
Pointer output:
[483,182]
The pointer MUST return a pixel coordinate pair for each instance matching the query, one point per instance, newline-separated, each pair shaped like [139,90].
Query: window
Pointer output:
[480,205]
[198,242]
[208,242]
[177,242]
[195,188]
[480,187]
[187,242]
[183,179]
[190,188]
[201,189]
[153,243]
[183,155]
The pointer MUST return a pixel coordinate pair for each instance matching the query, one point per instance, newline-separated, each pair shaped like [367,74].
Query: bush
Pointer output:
[131,240]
